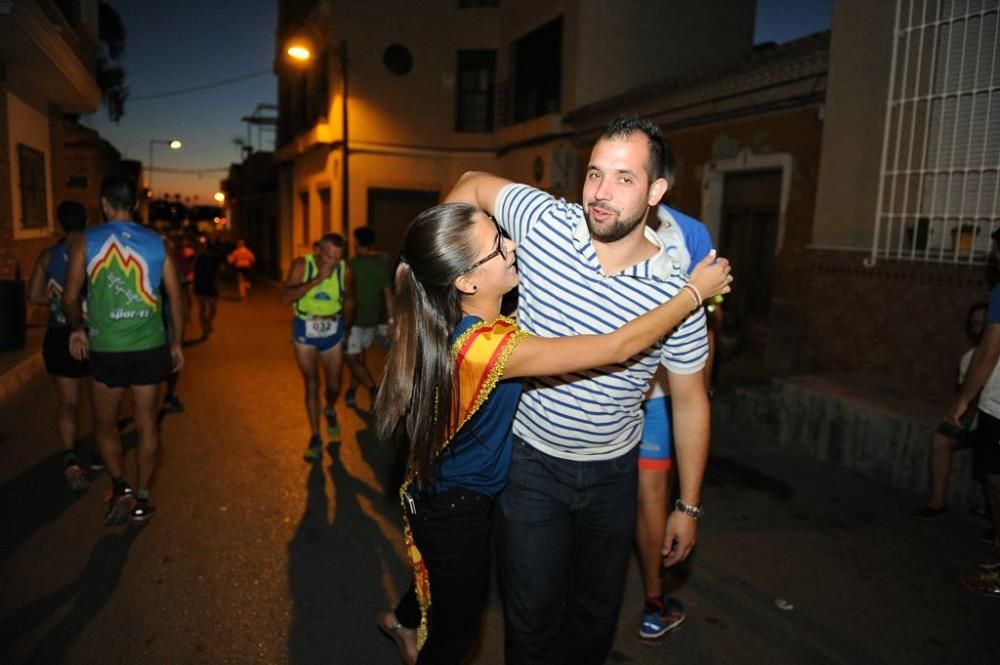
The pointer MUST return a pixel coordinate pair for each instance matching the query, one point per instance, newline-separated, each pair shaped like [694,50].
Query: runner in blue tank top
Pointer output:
[47,283]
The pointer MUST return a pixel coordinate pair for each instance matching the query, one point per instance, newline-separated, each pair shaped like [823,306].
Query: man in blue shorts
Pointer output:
[687,242]
[566,519]
[319,289]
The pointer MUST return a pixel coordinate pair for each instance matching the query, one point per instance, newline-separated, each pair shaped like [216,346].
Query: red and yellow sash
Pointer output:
[481,354]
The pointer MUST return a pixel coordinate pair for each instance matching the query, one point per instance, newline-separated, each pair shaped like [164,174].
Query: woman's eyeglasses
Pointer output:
[500,251]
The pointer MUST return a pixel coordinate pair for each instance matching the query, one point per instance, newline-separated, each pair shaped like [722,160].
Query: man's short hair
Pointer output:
[72,216]
[119,192]
[364,236]
[334,239]
[661,157]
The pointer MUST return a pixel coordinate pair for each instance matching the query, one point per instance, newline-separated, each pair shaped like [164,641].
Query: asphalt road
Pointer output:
[257,557]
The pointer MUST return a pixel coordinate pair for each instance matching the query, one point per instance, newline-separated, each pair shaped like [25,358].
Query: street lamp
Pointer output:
[299,52]
[220,197]
[173,144]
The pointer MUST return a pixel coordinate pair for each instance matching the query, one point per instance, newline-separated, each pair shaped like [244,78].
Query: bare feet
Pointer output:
[405,638]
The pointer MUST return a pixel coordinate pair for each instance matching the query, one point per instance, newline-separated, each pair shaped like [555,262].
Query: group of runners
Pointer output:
[118,296]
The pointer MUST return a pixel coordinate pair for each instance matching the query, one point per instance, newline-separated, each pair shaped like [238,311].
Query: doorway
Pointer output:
[748,238]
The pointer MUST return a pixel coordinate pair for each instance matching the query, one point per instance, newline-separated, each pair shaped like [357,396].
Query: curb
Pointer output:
[20,374]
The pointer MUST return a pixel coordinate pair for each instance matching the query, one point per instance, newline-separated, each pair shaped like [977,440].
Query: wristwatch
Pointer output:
[690,511]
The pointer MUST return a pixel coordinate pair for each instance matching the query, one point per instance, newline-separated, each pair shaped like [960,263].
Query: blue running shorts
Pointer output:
[324,334]
[656,452]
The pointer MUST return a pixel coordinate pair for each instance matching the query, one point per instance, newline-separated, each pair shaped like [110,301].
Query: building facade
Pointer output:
[907,194]
[48,55]
[461,86]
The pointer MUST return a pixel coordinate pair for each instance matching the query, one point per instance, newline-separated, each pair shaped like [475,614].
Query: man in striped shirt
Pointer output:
[567,516]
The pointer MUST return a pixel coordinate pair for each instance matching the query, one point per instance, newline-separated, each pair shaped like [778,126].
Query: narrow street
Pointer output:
[257,557]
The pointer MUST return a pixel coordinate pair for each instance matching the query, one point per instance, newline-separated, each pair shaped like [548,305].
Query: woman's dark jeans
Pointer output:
[452,532]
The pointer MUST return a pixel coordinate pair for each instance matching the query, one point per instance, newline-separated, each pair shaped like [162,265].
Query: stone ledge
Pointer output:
[877,434]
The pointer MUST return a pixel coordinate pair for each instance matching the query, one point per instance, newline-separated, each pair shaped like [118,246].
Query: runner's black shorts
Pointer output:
[120,369]
[55,353]
[986,453]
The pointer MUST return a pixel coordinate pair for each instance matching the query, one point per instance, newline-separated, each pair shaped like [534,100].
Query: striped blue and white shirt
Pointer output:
[591,415]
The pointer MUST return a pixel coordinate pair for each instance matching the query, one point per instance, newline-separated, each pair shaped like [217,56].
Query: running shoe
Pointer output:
[314,451]
[120,505]
[349,398]
[987,583]
[332,426]
[172,404]
[143,511]
[74,474]
[661,617]
[96,462]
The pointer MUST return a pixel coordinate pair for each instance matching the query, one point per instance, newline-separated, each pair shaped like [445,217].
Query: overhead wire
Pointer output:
[199,88]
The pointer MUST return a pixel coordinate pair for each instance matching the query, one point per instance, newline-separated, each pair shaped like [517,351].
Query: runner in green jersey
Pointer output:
[124,265]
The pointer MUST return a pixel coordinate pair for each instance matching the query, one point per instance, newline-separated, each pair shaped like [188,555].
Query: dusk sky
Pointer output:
[177,45]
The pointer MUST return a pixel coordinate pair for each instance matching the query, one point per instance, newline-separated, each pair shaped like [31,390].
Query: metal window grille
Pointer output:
[939,190]
[31,165]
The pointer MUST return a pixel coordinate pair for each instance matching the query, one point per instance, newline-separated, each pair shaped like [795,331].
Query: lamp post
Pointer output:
[173,144]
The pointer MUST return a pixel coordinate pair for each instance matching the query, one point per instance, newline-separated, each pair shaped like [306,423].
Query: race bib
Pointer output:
[321,328]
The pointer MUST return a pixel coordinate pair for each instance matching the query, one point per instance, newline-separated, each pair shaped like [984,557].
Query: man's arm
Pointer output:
[387,294]
[294,287]
[172,285]
[348,311]
[691,427]
[479,189]
[76,274]
[984,361]
[36,288]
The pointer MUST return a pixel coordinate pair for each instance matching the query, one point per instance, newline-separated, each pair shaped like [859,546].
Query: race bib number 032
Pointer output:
[320,328]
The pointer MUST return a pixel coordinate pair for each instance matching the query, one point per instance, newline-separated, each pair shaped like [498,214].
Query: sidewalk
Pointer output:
[21,367]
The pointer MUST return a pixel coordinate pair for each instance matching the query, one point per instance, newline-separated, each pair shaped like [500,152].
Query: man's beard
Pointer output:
[616,230]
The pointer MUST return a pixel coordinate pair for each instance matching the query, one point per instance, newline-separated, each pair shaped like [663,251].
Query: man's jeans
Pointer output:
[564,540]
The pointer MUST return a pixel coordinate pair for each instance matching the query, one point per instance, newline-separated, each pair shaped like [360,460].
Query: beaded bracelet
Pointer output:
[694,299]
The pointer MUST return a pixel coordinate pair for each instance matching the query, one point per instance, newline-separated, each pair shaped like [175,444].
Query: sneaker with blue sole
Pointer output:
[660,618]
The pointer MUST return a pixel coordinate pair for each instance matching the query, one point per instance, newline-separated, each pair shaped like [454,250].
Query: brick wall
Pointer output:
[899,324]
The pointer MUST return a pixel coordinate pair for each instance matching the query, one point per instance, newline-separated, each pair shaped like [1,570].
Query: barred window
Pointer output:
[31,167]
[939,188]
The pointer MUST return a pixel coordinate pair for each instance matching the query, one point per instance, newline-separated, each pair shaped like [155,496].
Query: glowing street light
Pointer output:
[299,52]
[173,144]
[220,197]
